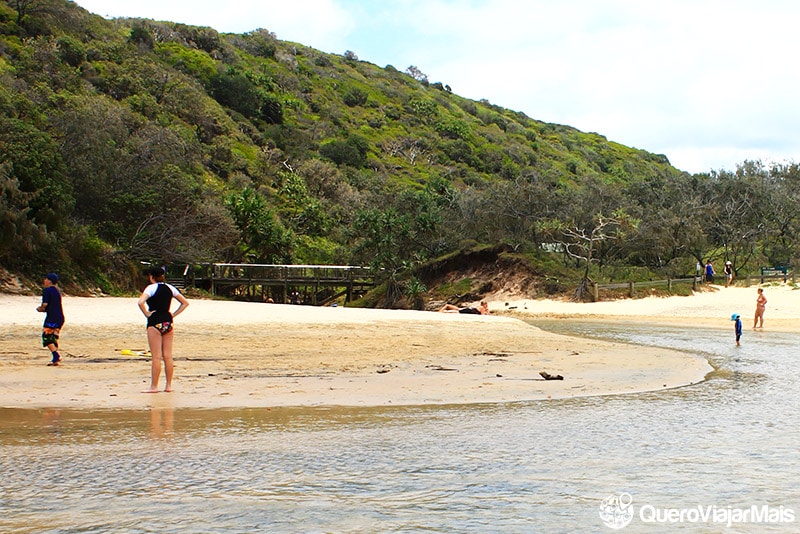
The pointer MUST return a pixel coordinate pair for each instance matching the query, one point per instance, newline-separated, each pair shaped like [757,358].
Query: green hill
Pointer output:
[134,140]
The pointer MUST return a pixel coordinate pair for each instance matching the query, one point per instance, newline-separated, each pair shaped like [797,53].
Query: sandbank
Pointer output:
[238,354]
[710,308]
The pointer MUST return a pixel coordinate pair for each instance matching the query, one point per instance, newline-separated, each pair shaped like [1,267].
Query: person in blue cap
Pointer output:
[54,316]
[737,327]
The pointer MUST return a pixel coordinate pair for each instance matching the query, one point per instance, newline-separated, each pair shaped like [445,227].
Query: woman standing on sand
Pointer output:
[155,303]
[761,305]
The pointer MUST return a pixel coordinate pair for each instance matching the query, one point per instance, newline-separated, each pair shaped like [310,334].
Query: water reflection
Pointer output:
[162,421]
[518,467]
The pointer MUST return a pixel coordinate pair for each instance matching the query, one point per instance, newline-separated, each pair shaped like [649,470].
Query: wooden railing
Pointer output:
[747,281]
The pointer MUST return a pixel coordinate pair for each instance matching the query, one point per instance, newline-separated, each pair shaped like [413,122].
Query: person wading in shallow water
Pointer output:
[737,327]
[155,303]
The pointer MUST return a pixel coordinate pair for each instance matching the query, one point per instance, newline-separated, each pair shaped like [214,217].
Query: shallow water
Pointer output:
[729,442]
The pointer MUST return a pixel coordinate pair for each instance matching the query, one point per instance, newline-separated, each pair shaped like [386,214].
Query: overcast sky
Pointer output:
[708,83]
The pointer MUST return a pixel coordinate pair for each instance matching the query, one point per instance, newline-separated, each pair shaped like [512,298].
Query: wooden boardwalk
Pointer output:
[309,284]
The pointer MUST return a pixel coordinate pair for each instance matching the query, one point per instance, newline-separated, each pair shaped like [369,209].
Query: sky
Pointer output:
[708,83]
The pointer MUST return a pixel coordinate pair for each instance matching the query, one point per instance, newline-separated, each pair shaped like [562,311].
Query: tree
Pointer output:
[355,97]
[271,110]
[781,243]
[32,158]
[142,36]
[583,242]
[126,172]
[352,151]
[738,223]
[380,236]
[237,92]
[194,232]
[417,74]
[674,216]
[508,211]
[414,290]
[260,42]
[262,238]
[302,211]
[25,7]
[19,235]
[322,178]
[395,238]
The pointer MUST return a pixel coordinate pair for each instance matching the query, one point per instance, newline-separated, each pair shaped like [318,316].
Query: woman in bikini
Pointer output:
[761,305]
[155,303]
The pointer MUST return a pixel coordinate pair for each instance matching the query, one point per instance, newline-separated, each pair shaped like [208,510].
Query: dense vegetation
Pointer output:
[134,140]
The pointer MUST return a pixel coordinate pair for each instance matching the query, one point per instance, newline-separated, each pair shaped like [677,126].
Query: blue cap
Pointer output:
[734,316]
[53,277]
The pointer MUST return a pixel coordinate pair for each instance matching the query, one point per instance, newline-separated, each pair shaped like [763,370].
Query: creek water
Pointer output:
[729,443]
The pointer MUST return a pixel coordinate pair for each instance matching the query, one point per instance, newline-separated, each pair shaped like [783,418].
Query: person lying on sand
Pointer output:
[483,309]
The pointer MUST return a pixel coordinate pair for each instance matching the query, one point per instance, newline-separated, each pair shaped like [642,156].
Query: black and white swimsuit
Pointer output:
[159,303]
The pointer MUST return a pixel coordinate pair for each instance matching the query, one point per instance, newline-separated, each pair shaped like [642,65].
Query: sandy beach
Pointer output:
[236,354]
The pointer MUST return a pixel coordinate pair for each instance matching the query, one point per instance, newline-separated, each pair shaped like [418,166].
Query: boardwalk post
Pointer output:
[283,273]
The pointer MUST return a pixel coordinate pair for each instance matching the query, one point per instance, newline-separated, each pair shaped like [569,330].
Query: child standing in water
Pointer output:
[737,327]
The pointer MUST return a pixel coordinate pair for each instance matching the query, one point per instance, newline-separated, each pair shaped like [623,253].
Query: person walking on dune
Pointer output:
[155,303]
[761,305]
[729,273]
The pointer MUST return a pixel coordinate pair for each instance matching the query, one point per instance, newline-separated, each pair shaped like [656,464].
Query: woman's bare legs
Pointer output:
[160,347]
[166,352]
[154,341]
[759,318]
